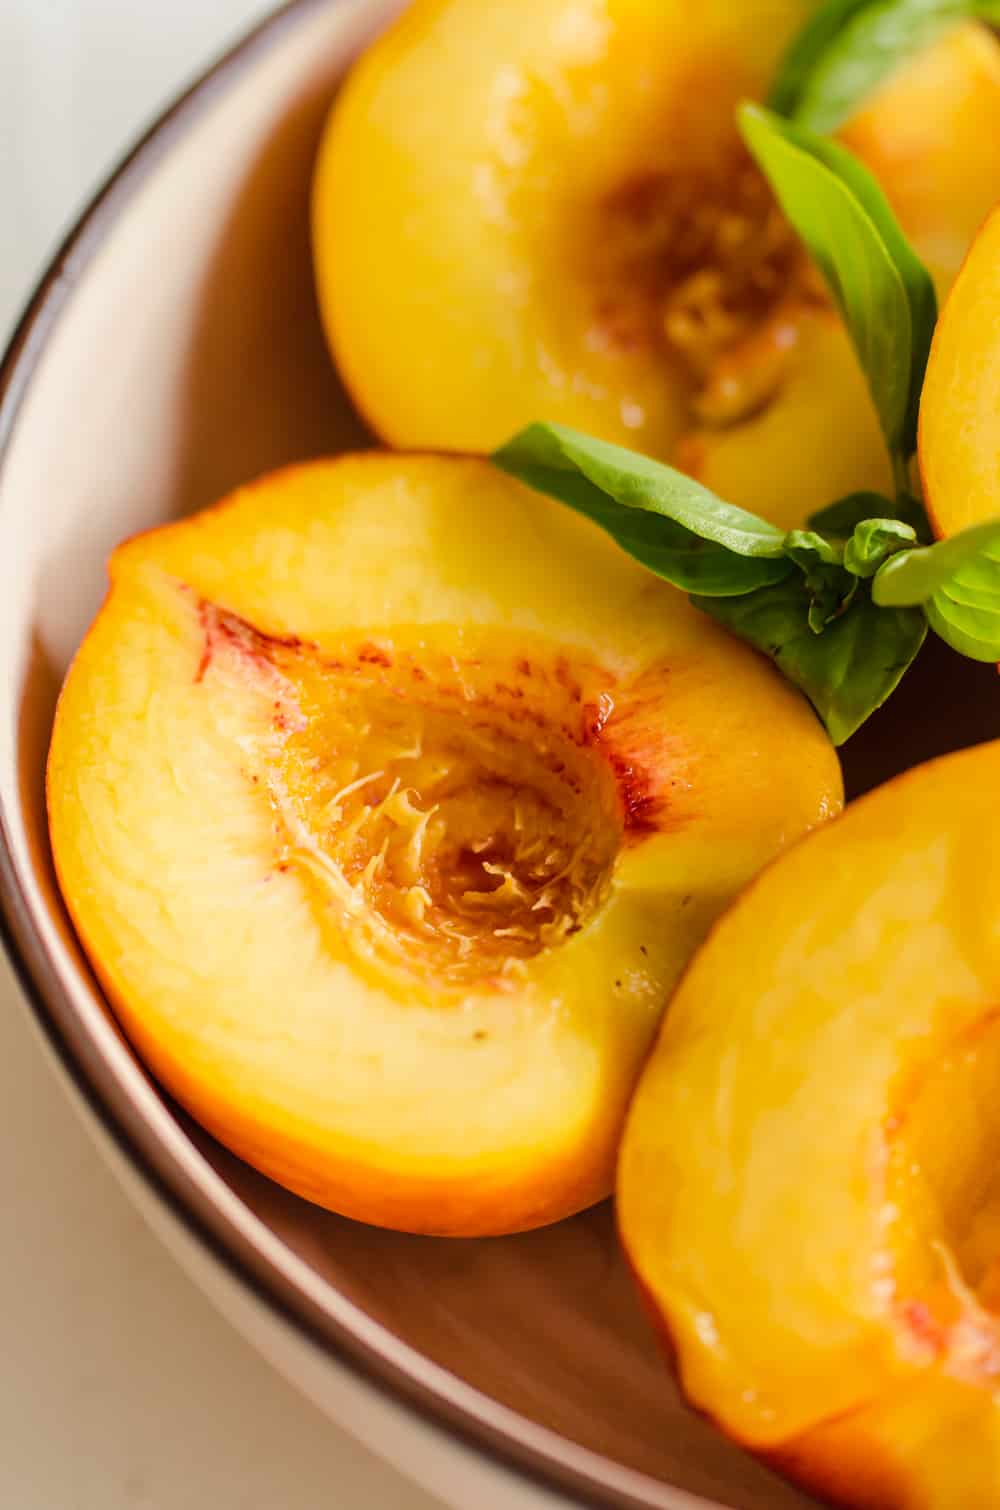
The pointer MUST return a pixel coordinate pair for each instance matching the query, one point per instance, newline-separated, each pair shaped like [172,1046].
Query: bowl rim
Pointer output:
[535,1462]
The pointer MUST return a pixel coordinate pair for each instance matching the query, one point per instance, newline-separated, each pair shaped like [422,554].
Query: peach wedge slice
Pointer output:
[389,800]
[809,1187]
[541,210]
[959,416]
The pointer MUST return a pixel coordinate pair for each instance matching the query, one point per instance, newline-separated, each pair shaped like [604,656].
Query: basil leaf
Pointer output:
[964,588]
[828,586]
[849,670]
[832,570]
[921,295]
[809,550]
[973,632]
[830,595]
[873,542]
[842,518]
[852,255]
[674,526]
[636,481]
[970,559]
[807,50]
[850,46]
[958,583]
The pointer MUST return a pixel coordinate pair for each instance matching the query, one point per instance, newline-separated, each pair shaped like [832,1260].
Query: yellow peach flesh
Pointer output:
[808,1184]
[389,800]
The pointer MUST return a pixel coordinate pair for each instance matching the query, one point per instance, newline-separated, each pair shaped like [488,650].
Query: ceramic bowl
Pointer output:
[172,351]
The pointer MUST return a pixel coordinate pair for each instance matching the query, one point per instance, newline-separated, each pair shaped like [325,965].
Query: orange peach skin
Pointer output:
[959,418]
[298,716]
[808,1186]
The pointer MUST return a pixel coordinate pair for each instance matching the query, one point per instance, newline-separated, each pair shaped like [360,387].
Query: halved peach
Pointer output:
[389,800]
[809,1187]
[959,417]
[541,210]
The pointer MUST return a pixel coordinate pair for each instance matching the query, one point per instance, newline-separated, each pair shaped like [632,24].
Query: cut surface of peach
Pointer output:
[389,801]
[959,416]
[574,234]
[809,1187]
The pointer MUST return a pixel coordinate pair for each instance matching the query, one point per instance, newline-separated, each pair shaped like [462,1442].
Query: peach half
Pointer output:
[959,417]
[389,801]
[809,1187]
[540,210]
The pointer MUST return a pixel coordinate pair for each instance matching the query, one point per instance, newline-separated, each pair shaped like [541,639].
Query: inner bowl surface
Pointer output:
[173,351]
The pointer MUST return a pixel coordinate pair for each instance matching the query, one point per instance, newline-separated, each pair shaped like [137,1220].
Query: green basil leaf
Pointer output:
[966,589]
[637,482]
[849,670]
[809,549]
[973,632]
[849,47]
[958,583]
[851,252]
[921,295]
[807,51]
[830,595]
[842,518]
[873,542]
[674,526]
[828,585]
[970,559]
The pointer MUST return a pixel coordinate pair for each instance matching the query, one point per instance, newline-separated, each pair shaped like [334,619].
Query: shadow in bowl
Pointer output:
[563,1339]
[257,340]
[943,703]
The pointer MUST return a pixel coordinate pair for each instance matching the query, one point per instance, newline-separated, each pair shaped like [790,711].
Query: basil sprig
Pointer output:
[882,289]
[841,611]
[849,47]
[843,606]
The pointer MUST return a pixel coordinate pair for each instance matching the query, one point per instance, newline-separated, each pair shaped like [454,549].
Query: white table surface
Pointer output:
[120,1387]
